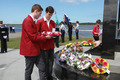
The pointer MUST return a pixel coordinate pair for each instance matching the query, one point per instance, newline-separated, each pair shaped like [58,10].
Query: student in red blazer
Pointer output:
[47,48]
[96,30]
[29,46]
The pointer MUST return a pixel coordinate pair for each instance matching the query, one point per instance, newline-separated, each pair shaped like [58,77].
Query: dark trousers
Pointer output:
[63,35]
[70,35]
[48,60]
[57,41]
[14,30]
[38,61]
[3,45]
[77,35]
[96,38]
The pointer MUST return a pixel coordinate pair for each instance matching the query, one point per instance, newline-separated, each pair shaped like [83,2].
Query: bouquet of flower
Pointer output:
[90,41]
[85,43]
[71,53]
[56,33]
[100,66]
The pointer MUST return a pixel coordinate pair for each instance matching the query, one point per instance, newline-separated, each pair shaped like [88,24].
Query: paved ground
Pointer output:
[12,66]
[15,35]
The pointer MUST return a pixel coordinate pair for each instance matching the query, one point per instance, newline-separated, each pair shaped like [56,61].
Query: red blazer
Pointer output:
[30,38]
[42,26]
[95,29]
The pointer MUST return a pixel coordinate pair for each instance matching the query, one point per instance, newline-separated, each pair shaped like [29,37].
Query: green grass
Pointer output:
[73,40]
[15,42]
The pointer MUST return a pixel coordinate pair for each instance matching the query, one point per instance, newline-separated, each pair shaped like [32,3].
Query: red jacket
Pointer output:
[95,30]
[42,26]
[30,38]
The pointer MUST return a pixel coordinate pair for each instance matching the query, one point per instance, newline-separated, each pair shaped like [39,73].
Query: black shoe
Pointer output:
[5,51]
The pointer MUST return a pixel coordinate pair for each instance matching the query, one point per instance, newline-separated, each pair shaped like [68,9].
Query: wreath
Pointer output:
[90,41]
[100,66]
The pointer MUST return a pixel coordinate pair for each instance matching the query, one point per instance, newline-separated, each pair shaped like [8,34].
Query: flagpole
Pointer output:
[63,12]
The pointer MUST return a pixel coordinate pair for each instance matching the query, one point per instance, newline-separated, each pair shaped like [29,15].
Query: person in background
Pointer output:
[63,30]
[96,30]
[47,48]
[11,29]
[70,31]
[3,34]
[7,33]
[29,46]
[77,29]
[57,38]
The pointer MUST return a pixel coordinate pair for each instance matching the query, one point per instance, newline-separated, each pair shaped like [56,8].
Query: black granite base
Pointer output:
[64,72]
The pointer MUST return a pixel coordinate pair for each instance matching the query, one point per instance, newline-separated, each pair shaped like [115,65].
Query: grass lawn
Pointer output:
[15,42]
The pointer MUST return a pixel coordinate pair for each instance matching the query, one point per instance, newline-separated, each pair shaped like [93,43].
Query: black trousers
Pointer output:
[70,35]
[57,41]
[77,34]
[96,38]
[63,35]
[38,61]
[48,58]
[3,45]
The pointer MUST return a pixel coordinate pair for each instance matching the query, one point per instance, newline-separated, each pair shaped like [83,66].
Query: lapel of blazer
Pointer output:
[33,22]
[46,25]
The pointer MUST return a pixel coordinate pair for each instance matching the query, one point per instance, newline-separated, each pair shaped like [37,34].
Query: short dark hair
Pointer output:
[36,6]
[1,22]
[77,21]
[50,9]
[98,21]
[62,22]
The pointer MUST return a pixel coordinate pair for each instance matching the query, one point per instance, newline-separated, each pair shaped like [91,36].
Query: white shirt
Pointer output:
[77,26]
[32,17]
[48,21]
[63,27]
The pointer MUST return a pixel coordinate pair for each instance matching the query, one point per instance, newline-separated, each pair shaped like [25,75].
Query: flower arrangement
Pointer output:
[85,43]
[56,33]
[72,54]
[100,66]
[90,41]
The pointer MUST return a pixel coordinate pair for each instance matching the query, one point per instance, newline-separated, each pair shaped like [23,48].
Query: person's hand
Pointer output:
[98,34]
[48,37]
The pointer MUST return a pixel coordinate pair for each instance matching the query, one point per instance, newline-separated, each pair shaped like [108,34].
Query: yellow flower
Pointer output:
[62,51]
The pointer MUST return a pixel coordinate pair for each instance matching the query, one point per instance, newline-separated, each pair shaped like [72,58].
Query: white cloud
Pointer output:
[75,1]
[69,1]
[84,0]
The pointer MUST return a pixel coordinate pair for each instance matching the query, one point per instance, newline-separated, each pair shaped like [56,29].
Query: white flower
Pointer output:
[78,63]
[63,56]
[86,65]
[71,58]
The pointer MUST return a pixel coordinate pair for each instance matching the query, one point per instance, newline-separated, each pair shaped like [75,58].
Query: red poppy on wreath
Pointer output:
[97,60]
[100,66]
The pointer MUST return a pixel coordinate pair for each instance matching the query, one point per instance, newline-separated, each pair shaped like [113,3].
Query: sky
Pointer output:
[14,11]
